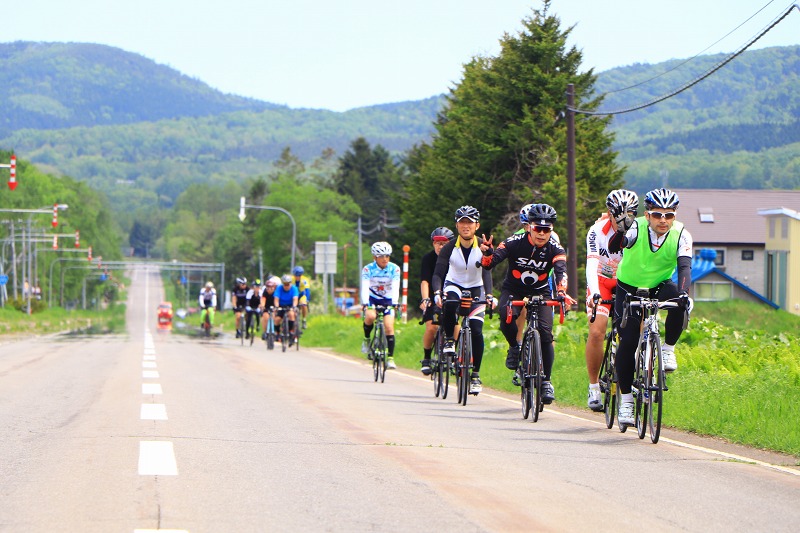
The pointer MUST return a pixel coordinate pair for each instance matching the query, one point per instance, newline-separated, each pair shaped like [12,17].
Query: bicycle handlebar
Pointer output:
[536,301]
[596,299]
[635,300]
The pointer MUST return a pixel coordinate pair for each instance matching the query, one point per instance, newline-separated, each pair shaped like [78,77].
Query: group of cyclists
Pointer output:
[281,297]
[625,252]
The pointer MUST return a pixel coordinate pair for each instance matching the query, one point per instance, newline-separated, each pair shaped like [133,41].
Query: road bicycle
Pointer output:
[254,315]
[206,322]
[468,307]
[650,378]
[285,335]
[441,363]
[269,330]
[608,374]
[378,346]
[531,366]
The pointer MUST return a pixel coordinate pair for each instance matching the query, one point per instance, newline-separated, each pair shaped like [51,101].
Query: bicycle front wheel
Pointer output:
[641,395]
[525,371]
[656,385]
[608,382]
[537,375]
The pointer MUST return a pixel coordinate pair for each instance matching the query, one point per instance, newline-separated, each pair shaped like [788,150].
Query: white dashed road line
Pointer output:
[157,458]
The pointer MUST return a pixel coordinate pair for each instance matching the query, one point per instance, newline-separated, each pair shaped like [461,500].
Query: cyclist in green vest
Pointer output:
[654,246]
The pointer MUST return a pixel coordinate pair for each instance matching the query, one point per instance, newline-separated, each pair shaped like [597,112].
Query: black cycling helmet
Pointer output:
[661,198]
[541,214]
[441,234]
[467,211]
[620,201]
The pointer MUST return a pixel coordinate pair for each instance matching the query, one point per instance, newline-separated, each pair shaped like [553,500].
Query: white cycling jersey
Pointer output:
[600,263]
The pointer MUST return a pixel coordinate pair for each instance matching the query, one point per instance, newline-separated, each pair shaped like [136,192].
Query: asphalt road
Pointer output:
[150,431]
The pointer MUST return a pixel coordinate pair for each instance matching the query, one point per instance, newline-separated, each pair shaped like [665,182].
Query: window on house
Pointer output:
[771,227]
[706,214]
[747,255]
[720,259]
[713,291]
[784,227]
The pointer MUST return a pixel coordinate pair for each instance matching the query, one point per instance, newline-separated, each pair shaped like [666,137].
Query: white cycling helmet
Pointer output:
[381,248]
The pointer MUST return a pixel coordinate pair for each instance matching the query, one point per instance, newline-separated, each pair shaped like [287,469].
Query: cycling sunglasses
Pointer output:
[659,214]
[542,229]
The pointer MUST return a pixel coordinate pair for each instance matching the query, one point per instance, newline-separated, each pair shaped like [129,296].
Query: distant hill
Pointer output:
[142,132]
[62,85]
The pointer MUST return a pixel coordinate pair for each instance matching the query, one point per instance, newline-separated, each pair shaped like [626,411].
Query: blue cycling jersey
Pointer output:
[286,296]
[380,286]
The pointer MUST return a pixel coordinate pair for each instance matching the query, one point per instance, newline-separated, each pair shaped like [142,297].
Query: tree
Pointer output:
[369,177]
[500,142]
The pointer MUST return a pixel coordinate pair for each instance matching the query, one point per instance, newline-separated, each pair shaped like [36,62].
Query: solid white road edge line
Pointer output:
[674,442]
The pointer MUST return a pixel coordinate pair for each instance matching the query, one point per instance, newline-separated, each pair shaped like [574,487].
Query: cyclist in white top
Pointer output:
[457,269]
[380,285]
[601,279]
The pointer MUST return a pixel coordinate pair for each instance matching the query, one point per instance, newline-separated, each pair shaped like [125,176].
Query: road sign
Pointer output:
[3,279]
[324,257]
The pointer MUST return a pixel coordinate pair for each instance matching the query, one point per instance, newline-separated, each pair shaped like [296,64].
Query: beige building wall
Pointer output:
[783,234]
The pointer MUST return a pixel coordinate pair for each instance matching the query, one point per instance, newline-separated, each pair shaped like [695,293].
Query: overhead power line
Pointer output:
[698,54]
[696,80]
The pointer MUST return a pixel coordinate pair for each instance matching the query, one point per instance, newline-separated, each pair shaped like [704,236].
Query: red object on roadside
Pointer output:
[12,180]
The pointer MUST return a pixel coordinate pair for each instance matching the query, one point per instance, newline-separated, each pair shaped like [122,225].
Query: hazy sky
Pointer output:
[350,53]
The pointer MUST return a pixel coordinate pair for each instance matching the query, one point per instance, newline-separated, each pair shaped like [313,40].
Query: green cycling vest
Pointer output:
[642,267]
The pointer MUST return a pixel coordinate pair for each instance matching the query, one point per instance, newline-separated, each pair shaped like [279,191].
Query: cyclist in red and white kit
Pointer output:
[601,279]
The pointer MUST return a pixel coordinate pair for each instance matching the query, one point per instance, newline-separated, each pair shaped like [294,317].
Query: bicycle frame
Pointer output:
[531,365]
[607,378]
[467,308]
[649,382]
[378,345]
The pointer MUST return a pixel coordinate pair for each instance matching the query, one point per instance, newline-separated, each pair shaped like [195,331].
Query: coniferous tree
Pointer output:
[500,141]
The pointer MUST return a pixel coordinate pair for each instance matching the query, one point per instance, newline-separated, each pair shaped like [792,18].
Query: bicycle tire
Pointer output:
[207,324]
[284,333]
[376,371]
[608,382]
[465,375]
[656,376]
[538,376]
[446,364]
[640,398]
[437,368]
[525,372]
[251,329]
[270,341]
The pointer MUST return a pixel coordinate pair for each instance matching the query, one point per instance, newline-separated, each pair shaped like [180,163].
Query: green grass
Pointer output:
[735,381]
[57,319]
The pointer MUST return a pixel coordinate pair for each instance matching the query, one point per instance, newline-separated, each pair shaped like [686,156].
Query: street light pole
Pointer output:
[242,216]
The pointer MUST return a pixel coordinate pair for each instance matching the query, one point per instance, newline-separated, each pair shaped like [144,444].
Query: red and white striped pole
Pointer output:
[55,215]
[77,239]
[12,180]
[55,242]
[90,254]
[406,249]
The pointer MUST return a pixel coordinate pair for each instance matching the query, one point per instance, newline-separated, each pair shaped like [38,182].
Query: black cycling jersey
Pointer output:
[269,303]
[427,267]
[528,265]
[241,297]
[253,298]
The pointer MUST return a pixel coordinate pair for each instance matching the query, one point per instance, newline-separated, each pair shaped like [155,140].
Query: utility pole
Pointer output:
[572,217]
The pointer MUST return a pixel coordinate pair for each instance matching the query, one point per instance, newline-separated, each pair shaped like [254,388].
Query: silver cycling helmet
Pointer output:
[381,248]
[467,211]
[621,201]
[523,214]
[661,198]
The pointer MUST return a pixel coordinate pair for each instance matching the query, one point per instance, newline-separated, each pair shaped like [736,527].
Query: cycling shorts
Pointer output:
[607,286]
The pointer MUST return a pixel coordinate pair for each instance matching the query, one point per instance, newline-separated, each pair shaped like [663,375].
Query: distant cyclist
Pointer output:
[238,300]
[252,305]
[208,302]
[439,237]
[268,302]
[380,285]
[285,299]
[304,288]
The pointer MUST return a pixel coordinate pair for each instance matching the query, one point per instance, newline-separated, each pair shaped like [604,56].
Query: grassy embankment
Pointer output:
[739,375]
[57,319]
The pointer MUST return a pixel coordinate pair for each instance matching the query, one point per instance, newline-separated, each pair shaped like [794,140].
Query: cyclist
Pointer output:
[380,285]
[304,287]
[457,269]
[531,257]
[286,296]
[238,300]
[208,302]
[267,303]
[252,305]
[439,237]
[601,279]
[654,246]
